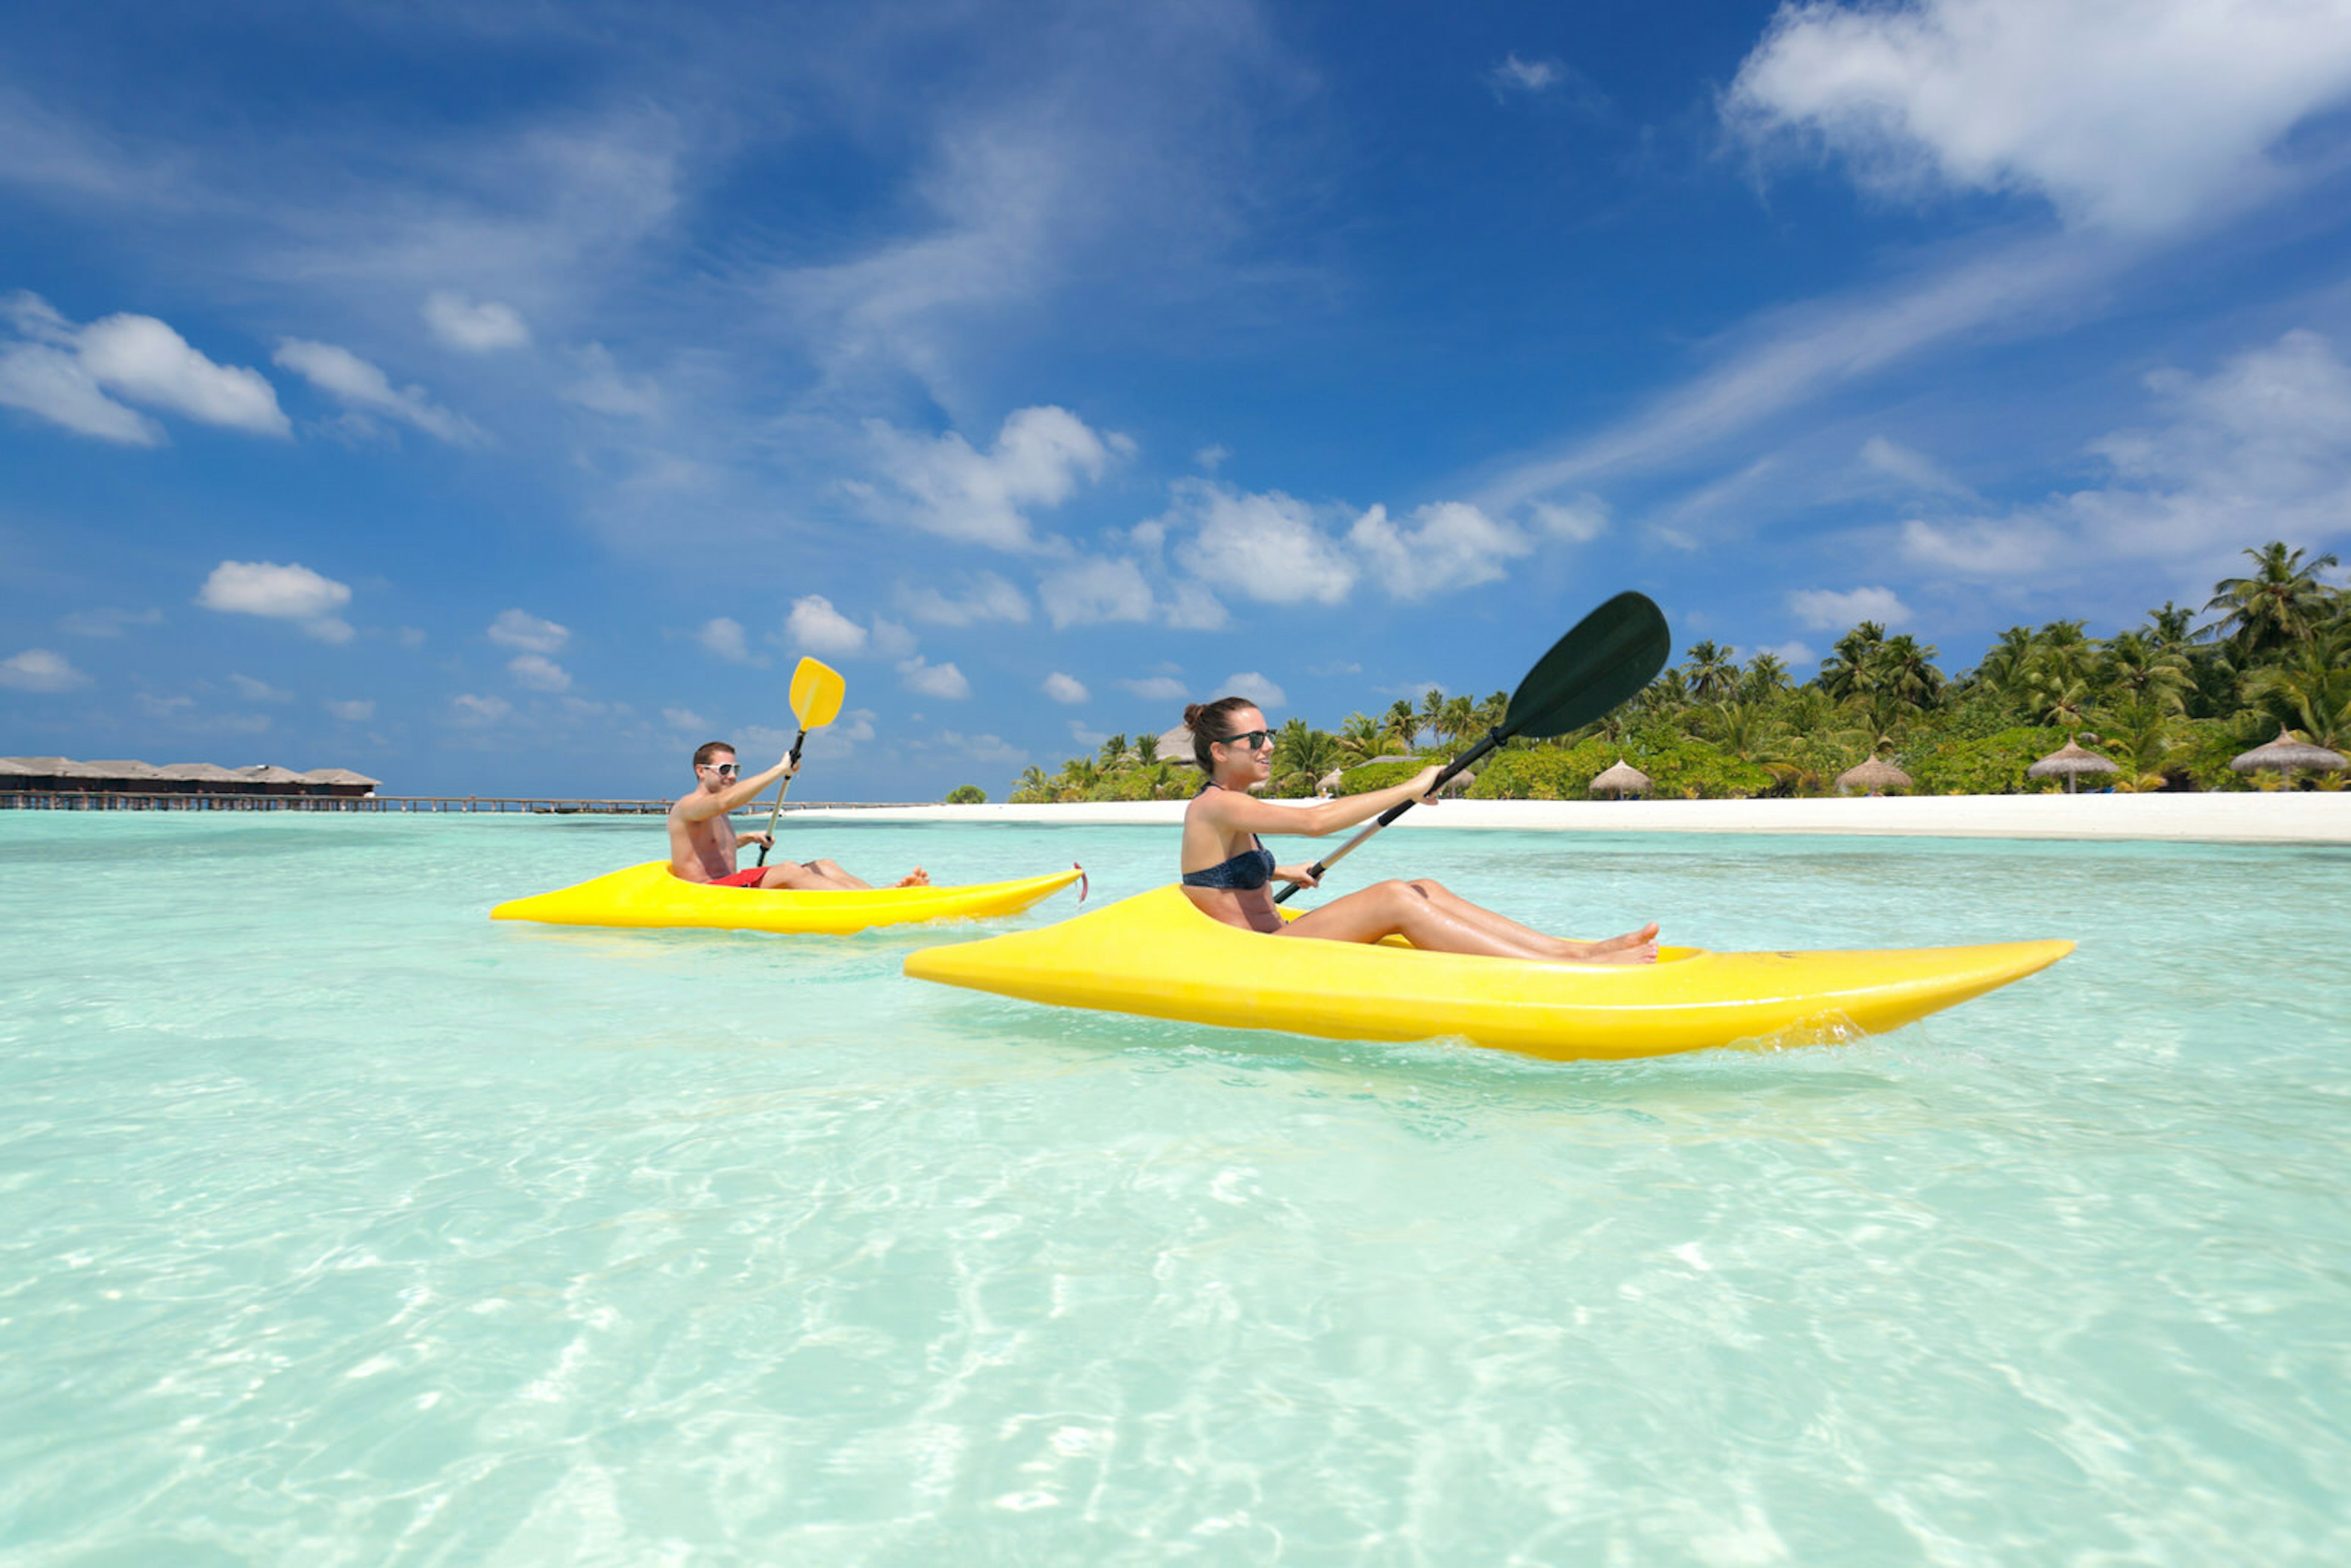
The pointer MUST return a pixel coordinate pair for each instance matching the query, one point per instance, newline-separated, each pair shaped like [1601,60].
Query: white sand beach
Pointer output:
[2306,816]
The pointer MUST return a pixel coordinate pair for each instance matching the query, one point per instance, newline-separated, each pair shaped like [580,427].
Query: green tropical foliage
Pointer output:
[2167,701]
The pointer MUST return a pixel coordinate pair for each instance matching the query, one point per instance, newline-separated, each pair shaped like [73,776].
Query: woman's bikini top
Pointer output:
[1245,873]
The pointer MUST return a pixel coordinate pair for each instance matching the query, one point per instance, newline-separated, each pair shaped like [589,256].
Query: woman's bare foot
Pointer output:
[917,877]
[1632,947]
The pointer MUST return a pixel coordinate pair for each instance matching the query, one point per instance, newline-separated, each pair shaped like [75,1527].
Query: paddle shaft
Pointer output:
[1494,738]
[777,808]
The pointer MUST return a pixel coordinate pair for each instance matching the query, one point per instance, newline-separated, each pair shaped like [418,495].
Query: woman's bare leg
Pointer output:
[1437,921]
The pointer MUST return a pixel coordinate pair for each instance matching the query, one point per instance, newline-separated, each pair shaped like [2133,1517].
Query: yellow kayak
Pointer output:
[649,894]
[1155,953]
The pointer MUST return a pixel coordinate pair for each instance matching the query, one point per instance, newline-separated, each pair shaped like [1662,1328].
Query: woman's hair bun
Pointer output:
[1192,712]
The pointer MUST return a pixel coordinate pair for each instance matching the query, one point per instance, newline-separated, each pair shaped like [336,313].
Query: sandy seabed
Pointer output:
[2303,817]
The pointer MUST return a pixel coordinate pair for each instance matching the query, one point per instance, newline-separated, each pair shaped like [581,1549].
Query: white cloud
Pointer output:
[521,629]
[1577,522]
[289,592]
[2260,449]
[1267,546]
[1064,688]
[1094,590]
[64,374]
[1515,75]
[1915,469]
[1450,546]
[816,626]
[722,637]
[1158,688]
[1212,457]
[40,670]
[1792,653]
[475,327]
[943,486]
[141,359]
[255,691]
[357,385]
[684,720]
[467,710]
[2129,114]
[539,673]
[107,623]
[944,681]
[1254,686]
[986,597]
[1829,610]
[603,389]
[354,711]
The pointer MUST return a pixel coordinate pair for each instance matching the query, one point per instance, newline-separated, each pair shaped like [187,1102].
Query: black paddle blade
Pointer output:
[1605,659]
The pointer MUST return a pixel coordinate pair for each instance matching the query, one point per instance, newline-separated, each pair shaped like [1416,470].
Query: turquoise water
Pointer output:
[344,1227]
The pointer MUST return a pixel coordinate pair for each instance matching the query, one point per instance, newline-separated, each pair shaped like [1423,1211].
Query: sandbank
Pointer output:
[2280,818]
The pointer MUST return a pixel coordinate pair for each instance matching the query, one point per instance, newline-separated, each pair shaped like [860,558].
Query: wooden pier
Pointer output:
[535,805]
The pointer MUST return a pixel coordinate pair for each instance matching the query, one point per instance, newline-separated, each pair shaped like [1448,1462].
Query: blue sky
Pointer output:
[500,399]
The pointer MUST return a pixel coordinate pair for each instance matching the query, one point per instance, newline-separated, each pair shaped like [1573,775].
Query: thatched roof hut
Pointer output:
[1876,775]
[1622,781]
[1329,782]
[1460,783]
[274,780]
[2286,754]
[1175,747]
[2069,762]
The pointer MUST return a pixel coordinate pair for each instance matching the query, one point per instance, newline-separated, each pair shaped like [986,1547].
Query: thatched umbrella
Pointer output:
[1329,783]
[2069,762]
[2285,754]
[1622,781]
[1876,775]
[1460,783]
[1175,747]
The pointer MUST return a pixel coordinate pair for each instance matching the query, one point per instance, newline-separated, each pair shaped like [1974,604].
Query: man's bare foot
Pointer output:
[917,877]
[1632,947]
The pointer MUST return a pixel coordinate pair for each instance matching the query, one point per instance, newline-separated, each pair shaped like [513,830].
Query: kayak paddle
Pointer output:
[1606,659]
[817,691]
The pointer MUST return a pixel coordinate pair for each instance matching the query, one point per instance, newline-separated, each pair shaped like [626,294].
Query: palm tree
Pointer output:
[1402,722]
[1362,739]
[2002,666]
[1711,670]
[1432,711]
[1301,756]
[1146,748]
[1841,672]
[2140,733]
[1766,678]
[2280,604]
[1493,711]
[2310,691]
[1032,787]
[1905,671]
[1460,716]
[2136,665]
[2170,627]
[1113,752]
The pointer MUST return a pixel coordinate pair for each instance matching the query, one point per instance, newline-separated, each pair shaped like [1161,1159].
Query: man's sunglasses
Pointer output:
[1255,739]
[723,766]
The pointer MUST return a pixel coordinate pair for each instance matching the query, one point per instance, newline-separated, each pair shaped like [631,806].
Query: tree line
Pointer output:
[2168,701]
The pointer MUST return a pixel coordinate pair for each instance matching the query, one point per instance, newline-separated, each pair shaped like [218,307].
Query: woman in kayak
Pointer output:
[1226,868]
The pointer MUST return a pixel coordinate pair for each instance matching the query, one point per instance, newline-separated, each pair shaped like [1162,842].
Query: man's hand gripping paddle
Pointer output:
[817,691]
[1605,660]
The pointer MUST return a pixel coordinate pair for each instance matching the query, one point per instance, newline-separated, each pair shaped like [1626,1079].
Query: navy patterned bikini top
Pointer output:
[1245,873]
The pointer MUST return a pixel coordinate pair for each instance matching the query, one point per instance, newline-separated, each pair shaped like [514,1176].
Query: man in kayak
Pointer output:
[702,842]
[1225,867]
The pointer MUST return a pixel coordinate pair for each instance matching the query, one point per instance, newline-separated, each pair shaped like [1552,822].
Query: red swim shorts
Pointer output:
[741,878]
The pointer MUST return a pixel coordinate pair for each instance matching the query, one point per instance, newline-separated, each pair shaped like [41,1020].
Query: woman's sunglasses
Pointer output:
[1255,739]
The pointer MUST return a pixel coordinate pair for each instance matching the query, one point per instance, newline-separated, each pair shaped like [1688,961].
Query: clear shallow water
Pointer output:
[337,1225]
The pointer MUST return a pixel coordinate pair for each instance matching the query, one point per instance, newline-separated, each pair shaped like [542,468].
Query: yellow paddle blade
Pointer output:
[817,691]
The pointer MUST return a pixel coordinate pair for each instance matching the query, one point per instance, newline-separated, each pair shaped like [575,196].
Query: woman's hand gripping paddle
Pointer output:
[817,691]
[1607,658]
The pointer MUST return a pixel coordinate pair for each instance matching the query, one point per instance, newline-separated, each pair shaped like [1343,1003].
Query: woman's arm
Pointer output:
[1246,813]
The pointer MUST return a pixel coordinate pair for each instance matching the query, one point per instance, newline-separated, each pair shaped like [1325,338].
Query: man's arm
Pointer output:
[702,808]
